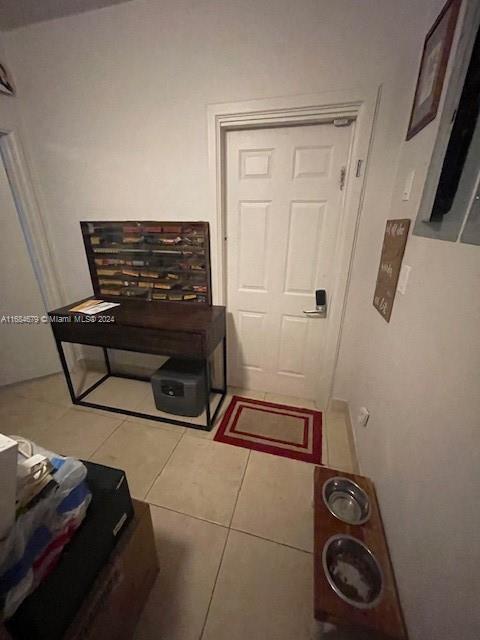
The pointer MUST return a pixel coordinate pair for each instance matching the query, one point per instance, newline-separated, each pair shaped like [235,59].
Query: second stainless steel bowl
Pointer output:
[352,571]
[346,500]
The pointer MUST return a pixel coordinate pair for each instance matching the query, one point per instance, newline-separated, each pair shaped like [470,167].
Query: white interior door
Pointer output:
[284,204]
[27,350]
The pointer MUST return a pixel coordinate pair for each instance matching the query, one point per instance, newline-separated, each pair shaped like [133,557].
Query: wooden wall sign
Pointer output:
[394,241]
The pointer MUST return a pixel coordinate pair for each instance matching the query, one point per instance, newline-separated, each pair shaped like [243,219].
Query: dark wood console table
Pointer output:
[161,328]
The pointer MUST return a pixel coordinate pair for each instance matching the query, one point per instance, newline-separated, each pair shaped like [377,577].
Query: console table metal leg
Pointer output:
[222,390]
[224,349]
[207,393]
[78,399]
[107,360]
[66,372]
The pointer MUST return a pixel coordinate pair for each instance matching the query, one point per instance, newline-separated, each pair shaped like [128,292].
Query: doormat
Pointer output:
[291,432]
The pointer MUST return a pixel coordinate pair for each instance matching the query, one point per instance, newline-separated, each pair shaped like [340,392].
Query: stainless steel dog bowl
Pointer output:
[352,571]
[346,500]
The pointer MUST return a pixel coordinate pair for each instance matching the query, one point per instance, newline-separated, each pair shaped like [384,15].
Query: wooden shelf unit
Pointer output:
[149,260]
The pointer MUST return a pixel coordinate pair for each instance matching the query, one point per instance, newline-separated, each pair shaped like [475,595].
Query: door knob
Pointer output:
[315,313]
[320,310]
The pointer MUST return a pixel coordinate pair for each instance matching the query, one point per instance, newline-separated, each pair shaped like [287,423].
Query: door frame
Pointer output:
[30,217]
[360,105]
[32,223]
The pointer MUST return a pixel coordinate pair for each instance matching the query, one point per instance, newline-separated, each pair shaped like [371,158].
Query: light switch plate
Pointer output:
[403,278]
[363,416]
[407,189]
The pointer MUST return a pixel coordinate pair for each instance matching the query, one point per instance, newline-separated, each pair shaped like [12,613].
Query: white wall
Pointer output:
[115,100]
[419,377]
[114,103]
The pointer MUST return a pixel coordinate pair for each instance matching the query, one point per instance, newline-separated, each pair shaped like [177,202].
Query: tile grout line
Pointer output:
[100,412]
[200,637]
[240,488]
[224,547]
[27,396]
[188,515]
[58,405]
[66,409]
[282,544]
[43,401]
[183,513]
[107,438]
[225,526]
[163,467]
[126,420]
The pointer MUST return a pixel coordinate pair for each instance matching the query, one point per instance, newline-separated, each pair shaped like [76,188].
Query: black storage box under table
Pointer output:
[179,387]
[49,610]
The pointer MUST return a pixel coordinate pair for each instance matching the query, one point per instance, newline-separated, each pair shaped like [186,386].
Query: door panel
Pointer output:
[253,240]
[293,342]
[312,162]
[251,327]
[284,208]
[304,231]
[255,163]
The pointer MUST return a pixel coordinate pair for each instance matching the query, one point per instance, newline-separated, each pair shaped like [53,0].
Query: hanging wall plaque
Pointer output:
[394,241]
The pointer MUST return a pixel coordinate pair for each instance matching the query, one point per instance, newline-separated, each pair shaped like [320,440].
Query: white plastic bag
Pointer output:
[36,528]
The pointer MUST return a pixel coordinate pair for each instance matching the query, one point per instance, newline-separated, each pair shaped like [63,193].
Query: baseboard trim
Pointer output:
[335,404]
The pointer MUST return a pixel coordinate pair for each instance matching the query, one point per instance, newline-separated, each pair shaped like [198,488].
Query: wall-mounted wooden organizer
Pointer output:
[149,260]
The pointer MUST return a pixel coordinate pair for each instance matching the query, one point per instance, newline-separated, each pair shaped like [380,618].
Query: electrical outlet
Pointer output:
[363,416]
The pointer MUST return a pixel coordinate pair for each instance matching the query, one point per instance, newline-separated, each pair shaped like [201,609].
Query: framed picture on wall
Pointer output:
[436,51]
[6,85]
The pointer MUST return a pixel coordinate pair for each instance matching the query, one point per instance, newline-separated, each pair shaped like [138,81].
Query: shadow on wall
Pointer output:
[16,14]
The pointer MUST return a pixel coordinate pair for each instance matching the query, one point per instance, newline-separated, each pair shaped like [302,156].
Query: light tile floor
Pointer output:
[233,527]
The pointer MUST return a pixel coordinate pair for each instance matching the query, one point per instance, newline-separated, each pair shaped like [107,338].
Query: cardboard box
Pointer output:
[114,604]
[80,563]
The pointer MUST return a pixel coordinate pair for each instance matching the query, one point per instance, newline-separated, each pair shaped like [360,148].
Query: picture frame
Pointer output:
[6,84]
[433,65]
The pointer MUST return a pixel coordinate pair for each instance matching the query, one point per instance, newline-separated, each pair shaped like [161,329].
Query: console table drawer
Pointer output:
[166,343]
